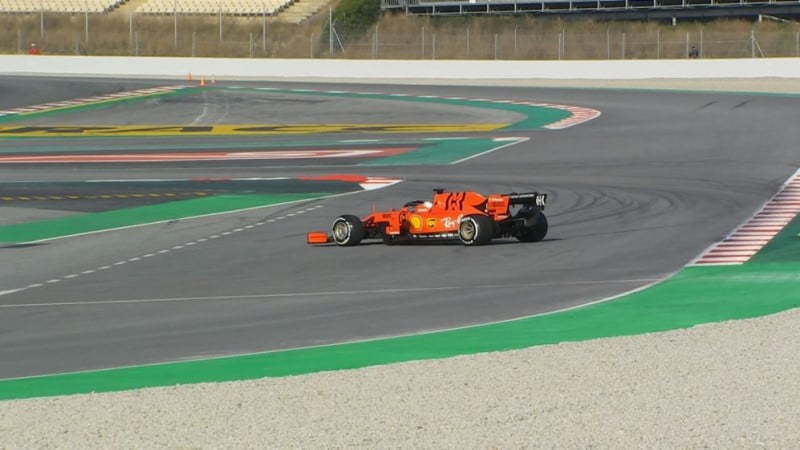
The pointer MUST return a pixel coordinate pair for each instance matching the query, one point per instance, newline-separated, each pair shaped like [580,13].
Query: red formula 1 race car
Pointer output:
[468,216]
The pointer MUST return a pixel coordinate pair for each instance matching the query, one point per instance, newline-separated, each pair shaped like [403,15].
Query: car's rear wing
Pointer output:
[528,198]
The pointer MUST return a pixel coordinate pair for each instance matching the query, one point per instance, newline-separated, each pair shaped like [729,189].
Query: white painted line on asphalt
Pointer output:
[339,293]
[161,252]
[11,291]
[490,150]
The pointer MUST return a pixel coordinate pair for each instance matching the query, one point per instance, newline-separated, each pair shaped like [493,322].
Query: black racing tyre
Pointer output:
[476,230]
[348,231]
[534,229]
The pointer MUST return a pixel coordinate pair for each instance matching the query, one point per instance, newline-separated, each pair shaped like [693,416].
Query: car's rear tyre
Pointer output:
[534,228]
[476,230]
[348,231]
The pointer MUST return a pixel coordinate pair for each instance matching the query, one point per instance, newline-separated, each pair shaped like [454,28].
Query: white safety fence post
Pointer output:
[687,45]
[702,53]
[86,16]
[658,43]
[515,41]
[130,22]
[422,44]
[175,26]
[468,49]
[263,29]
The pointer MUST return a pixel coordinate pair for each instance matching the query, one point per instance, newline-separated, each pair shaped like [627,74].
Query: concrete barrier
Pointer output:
[161,67]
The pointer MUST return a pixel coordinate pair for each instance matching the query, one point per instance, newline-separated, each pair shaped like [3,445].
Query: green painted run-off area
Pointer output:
[696,295]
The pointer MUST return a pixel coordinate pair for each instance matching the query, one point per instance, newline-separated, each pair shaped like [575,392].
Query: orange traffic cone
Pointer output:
[202,81]
[189,77]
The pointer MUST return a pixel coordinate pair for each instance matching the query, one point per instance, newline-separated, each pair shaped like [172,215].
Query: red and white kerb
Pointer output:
[751,237]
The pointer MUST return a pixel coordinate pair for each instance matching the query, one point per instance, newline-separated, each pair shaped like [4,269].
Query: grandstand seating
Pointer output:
[66,6]
[236,7]
[290,11]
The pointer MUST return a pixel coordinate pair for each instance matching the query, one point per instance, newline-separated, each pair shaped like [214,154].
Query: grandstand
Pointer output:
[235,7]
[291,11]
[64,6]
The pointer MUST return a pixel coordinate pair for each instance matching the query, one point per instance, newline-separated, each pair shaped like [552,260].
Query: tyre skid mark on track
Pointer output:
[155,253]
[578,114]
[89,100]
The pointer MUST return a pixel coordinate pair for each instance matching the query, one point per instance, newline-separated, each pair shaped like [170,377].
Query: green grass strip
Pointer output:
[107,220]
[695,296]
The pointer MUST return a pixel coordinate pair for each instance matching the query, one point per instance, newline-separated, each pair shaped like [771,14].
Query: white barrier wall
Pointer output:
[398,69]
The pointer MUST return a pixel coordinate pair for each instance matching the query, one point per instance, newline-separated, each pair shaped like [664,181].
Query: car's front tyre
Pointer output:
[348,230]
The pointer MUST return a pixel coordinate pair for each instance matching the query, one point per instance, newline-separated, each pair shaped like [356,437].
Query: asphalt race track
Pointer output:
[634,195]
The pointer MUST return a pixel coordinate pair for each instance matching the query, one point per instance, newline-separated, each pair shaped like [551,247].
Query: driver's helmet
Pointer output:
[427,204]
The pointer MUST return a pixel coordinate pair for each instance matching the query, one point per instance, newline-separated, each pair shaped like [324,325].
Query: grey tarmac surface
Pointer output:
[635,195]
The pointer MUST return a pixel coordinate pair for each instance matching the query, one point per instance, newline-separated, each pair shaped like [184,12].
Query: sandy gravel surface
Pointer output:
[734,384]
[728,385]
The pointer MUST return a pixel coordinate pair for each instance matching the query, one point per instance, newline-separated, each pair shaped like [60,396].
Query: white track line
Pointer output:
[326,293]
[153,254]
